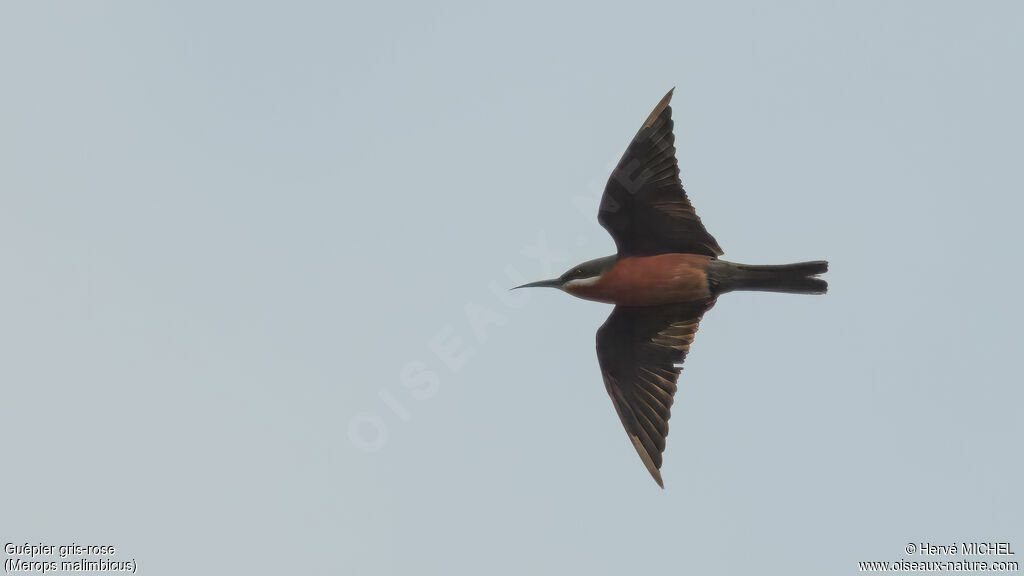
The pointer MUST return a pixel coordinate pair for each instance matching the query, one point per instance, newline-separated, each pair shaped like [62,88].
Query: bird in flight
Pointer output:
[665,275]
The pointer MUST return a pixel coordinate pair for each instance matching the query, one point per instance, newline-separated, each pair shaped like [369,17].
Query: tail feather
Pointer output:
[799,278]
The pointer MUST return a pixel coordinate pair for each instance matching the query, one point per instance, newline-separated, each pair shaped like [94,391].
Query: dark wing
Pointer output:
[644,206]
[640,350]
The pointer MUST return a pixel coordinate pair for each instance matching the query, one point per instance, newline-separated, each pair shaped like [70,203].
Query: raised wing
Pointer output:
[640,350]
[644,206]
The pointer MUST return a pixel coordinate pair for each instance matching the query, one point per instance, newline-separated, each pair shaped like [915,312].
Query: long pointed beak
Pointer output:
[553,283]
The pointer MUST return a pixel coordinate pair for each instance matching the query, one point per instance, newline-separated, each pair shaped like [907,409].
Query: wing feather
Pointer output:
[640,350]
[644,206]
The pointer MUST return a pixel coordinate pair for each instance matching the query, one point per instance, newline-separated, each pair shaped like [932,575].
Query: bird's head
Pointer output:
[581,275]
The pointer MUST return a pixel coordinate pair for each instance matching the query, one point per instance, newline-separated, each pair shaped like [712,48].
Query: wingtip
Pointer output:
[646,458]
[662,105]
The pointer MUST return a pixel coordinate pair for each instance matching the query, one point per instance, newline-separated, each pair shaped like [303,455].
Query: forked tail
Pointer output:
[799,278]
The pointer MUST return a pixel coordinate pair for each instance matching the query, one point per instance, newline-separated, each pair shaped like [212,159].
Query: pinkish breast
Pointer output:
[649,281]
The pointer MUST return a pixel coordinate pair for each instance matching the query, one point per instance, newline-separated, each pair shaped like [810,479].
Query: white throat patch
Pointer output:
[580,282]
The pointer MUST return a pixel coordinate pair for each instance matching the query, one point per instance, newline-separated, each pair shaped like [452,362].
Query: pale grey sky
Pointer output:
[254,313]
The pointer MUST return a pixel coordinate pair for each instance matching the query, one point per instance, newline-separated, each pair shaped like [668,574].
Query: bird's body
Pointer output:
[648,281]
[664,277]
